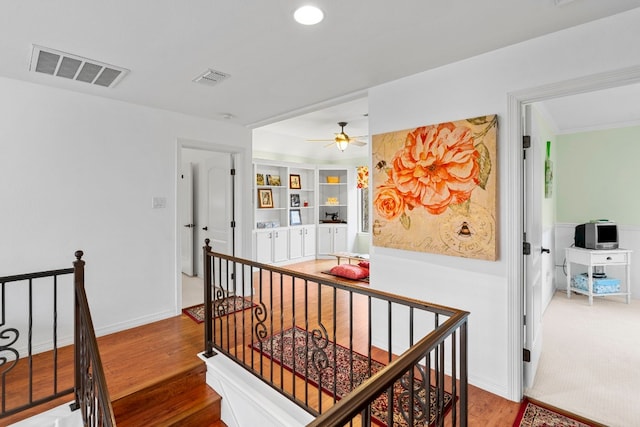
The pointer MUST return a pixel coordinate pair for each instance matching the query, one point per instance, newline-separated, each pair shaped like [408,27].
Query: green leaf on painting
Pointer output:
[478,120]
[461,208]
[484,161]
[483,132]
[405,220]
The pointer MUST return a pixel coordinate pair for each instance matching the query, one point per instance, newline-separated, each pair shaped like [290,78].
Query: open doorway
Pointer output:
[207,210]
[557,234]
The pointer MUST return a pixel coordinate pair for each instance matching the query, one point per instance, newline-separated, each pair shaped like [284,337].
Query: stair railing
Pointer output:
[91,393]
[16,369]
[412,354]
[18,372]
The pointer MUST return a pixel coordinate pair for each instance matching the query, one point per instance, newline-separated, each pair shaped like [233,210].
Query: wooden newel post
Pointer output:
[208,323]
[78,282]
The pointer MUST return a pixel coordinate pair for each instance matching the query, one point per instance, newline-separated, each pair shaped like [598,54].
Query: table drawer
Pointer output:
[611,258]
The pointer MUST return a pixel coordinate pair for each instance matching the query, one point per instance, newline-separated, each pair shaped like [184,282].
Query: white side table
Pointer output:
[599,257]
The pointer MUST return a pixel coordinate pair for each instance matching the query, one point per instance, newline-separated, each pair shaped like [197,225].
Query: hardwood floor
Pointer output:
[139,355]
[484,408]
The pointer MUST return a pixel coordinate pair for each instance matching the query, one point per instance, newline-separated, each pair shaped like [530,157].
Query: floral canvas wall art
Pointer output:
[434,188]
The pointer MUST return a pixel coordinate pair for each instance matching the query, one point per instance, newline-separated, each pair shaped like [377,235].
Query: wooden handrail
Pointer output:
[409,302]
[92,395]
[360,397]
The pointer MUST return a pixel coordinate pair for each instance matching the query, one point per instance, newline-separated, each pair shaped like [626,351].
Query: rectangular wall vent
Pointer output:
[211,77]
[62,64]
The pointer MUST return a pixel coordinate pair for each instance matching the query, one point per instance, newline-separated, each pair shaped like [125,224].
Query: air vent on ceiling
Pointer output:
[61,64]
[211,77]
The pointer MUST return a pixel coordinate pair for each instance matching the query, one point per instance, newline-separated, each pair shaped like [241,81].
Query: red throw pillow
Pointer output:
[364,264]
[350,271]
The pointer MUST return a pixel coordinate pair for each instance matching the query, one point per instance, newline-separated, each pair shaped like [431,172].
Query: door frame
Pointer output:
[243,169]
[514,198]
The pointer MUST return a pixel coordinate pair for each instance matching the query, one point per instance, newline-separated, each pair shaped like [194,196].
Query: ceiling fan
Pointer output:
[342,140]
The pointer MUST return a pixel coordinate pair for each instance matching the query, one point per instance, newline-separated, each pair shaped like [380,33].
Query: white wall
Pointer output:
[79,172]
[470,88]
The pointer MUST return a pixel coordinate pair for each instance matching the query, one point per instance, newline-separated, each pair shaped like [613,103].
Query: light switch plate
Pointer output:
[159,202]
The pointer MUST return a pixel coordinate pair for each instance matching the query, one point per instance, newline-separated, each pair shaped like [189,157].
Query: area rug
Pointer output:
[220,307]
[537,415]
[349,363]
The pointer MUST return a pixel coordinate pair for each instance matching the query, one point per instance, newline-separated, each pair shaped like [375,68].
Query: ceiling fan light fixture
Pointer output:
[342,142]
[342,145]
[308,15]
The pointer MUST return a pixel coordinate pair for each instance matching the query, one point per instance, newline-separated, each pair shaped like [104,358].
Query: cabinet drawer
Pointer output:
[611,258]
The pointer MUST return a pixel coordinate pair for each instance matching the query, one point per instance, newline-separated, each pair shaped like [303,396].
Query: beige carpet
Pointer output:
[590,363]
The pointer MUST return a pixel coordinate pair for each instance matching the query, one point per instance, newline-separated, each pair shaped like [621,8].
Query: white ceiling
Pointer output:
[603,109]
[278,68]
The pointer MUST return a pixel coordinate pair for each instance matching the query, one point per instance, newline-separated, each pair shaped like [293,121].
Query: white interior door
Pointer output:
[186,218]
[533,182]
[217,224]
[218,203]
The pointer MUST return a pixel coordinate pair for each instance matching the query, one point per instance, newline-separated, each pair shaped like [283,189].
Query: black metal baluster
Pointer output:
[293,325]
[282,332]
[335,351]
[55,334]
[389,358]
[306,342]
[30,341]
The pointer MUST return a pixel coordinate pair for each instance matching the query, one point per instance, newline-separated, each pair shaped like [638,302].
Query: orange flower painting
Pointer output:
[434,188]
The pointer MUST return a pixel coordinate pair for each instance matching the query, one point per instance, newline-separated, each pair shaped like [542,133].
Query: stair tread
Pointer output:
[136,384]
[195,373]
[173,409]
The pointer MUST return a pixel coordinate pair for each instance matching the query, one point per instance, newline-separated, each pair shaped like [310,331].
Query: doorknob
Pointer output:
[189,225]
[205,228]
[543,250]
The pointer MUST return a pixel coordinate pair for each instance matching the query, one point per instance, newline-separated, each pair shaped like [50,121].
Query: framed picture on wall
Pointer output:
[295,200]
[259,179]
[273,180]
[265,198]
[294,217]
[294,182]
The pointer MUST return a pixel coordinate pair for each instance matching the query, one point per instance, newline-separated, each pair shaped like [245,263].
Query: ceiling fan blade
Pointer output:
[358,143]
[318,140]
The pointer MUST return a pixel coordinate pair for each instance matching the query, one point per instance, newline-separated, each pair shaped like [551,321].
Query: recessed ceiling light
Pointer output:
[308,15]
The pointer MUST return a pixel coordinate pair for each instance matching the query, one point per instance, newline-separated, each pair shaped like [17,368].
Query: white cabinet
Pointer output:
[292,200]
[332,238]
[309,241]
[272,245]
[302,241]
[285,211]
[598,258]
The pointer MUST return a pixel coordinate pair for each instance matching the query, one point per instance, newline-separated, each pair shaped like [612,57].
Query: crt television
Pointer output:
[596,235]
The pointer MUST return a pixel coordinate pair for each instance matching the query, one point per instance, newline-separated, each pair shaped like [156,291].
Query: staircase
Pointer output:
[156,378]
[181,398]
[154,375]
